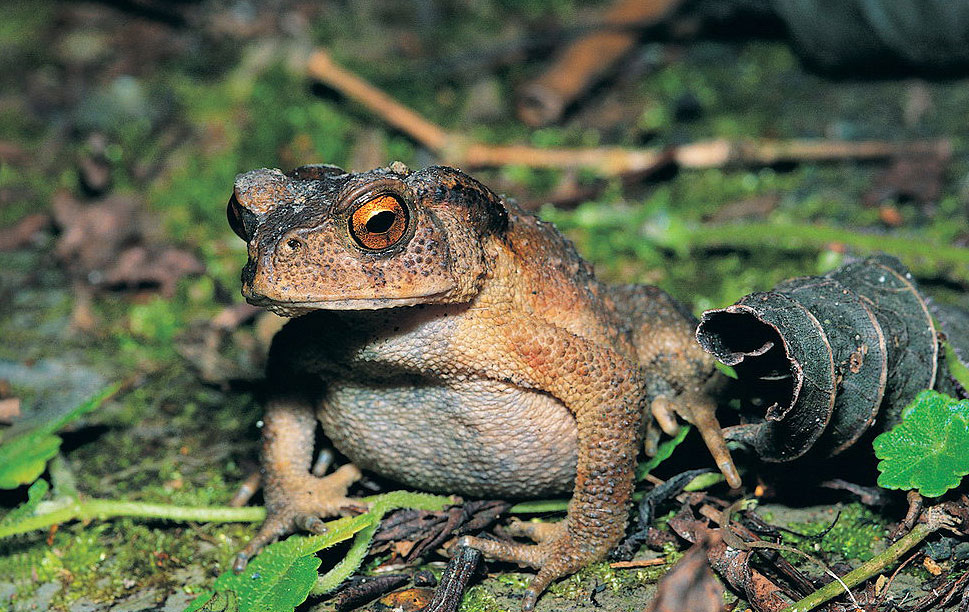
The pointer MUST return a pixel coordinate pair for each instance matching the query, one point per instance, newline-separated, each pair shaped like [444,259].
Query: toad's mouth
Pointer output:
[370,303]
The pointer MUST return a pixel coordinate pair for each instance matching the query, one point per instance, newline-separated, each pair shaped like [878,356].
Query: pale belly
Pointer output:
[480,438]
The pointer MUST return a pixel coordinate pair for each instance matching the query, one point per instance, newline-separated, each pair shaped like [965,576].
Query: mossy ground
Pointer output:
[243,105]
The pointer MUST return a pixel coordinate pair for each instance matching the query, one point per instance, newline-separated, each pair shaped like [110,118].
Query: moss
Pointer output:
[579,584]
[479,599]
[856,535]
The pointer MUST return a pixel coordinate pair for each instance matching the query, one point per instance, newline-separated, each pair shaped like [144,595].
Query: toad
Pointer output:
[448,340]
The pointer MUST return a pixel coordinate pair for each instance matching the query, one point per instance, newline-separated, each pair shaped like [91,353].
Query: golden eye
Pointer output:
[379,224]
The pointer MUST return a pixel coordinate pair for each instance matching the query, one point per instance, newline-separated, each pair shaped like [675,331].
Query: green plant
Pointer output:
[284,575]
[25,453]
[929,449]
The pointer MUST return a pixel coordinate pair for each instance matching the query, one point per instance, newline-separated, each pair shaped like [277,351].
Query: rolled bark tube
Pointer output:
[910,334]
[858,350]
[793,374]
[823,356]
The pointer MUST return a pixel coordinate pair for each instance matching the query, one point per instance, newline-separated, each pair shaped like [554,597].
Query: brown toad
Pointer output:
[448,340]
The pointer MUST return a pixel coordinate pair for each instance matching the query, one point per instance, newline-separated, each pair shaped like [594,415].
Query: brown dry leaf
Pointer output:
[9,410]
[732,565]
[104,244]
[231,317]
[758,207]
[402,547]
[12,153]
[93,234]
[931,566]
[22,233]
[690,585]
[916,179]
[162,267]
[408,600]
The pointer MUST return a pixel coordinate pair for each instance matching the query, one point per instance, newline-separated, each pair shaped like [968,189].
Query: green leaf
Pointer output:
[929,449]
[24,459]
[24,456]
[35,494]
[664,452]
[282,576]
[381,504]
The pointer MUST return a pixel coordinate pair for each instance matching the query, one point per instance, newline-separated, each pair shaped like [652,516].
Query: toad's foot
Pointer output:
[557,554]
[700,411]
[301,503]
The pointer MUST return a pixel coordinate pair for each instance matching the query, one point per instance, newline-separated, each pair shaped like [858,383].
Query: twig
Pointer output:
[937,519]
[891,579]
[89,509]
[638,564]
[587,59]
[458,573]
[733,541]
[460,150]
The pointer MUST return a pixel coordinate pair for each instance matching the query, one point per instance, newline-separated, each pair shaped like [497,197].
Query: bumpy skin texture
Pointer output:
[477,354]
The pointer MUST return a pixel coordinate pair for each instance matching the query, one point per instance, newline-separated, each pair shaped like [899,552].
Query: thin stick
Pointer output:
[460,150]
[321,66]
[638,564]
[585,60]
[864,571]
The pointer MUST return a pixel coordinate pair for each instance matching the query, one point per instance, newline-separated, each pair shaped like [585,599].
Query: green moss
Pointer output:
[579,584]
[479,599]
[857,533]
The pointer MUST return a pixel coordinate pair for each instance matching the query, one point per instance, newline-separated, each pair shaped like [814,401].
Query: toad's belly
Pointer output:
[479,438]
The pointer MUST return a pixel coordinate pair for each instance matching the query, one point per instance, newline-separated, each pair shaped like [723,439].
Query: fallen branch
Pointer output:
[586,60]
[638,564]
[460,150]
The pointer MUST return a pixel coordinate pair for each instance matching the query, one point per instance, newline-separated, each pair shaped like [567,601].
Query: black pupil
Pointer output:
[293,243]
[381,222]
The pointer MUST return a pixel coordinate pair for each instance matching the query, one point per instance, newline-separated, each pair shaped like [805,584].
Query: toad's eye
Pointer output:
[379,224]
[236,215]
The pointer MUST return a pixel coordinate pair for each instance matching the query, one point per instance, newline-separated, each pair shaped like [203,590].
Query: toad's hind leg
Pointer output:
[295,498]
[683,374]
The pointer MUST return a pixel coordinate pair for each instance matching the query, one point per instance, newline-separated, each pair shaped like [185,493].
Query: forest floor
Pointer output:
[123,125]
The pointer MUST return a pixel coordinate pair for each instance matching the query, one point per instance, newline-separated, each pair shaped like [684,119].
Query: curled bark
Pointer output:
[824,355]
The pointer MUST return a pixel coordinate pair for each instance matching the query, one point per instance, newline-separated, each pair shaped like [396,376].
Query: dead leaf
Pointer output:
[758,207]
[12,153]
[690,585]
[9,410]
[22,233]
[231,317]
[408,600]
[147,267]
[93,234]
[732,565]
[916,179]
[104,244]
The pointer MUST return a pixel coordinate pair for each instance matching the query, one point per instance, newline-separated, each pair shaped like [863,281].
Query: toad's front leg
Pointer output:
[605,393]
[295,498]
